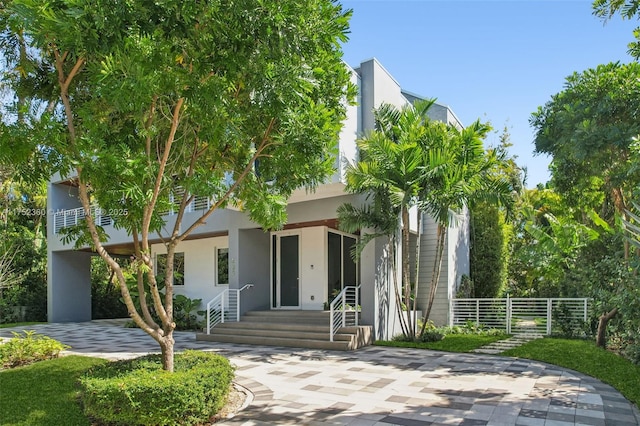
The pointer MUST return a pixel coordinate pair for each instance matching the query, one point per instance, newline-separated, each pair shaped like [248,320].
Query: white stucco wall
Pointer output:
[199,267]
[347,150]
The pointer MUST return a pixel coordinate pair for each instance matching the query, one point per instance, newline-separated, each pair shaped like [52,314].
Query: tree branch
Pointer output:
[146,220]
[263,145]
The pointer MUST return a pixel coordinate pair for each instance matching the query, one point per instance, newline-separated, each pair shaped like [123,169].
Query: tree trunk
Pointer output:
[417,270]
[394,266]
[406,277]
[601,337]
[166,345]
[435,274]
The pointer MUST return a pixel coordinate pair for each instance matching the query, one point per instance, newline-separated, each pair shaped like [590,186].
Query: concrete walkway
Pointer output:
[382,386]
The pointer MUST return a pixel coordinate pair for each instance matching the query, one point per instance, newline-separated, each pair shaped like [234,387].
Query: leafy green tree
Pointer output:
[492,230]
[549,234]
[238,102]
[22,249]
[601,272]
[490,238]
[589,129]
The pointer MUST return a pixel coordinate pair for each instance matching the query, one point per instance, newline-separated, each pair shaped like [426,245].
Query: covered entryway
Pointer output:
[286,271]
[310,266]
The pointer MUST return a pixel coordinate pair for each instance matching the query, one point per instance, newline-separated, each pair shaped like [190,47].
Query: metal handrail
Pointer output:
[345,303]
[218,311]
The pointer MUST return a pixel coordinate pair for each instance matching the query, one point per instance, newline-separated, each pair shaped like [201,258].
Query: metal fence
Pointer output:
[522,315]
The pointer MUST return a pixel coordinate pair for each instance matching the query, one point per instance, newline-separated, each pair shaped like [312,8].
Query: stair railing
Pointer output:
[225,307]
[344,310]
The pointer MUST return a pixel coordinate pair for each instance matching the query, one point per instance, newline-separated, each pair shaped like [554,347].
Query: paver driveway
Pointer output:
[381,386]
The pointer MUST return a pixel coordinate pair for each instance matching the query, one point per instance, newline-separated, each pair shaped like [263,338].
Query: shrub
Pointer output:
[28,348]
[139,392]
[471,327]
[431,336]
[185,313]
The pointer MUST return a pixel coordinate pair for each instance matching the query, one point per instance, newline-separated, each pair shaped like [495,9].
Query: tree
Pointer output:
[410,161]
[238,102]
[588,128]
[458,173]
[390,170]
[492,230]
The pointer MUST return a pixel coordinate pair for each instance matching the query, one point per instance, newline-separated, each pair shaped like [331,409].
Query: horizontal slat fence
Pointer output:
[522,315]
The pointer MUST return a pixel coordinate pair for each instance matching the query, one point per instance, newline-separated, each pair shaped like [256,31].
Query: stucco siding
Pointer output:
[199,267]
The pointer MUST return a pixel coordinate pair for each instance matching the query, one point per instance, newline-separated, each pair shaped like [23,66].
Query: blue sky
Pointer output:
[493,60]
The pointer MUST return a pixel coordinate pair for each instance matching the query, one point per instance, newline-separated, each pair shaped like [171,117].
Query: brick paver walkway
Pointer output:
[382,386]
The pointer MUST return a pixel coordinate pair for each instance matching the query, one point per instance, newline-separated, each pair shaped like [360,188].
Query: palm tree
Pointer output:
[457,172]
[390,171]
[411,161]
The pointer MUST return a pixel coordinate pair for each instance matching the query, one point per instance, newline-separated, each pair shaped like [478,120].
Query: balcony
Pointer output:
[104,217]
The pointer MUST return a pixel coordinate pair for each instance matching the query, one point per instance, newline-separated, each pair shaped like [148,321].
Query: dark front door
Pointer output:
[289,266]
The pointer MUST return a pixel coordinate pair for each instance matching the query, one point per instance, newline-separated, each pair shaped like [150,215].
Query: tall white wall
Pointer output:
[377,86]
[351,127]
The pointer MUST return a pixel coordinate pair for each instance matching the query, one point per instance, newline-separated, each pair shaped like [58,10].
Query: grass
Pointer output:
[44,393]
[451,343]
[19,324]
[585,357]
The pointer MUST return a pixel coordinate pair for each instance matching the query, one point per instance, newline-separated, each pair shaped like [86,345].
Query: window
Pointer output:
[342,269]
[222,266]
[178,268]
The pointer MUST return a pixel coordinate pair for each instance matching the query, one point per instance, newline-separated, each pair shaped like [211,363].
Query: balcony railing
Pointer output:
[104,217]
[66,218]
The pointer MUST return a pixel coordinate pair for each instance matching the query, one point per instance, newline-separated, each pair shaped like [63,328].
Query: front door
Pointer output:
[286,264]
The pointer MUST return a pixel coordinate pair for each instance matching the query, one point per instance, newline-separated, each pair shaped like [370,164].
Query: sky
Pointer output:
[492,60]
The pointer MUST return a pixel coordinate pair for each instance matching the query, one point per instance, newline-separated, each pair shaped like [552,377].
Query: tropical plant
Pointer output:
[28,347]
[589,128]
[411,161]
[492,230]
[458,173]
[390,171]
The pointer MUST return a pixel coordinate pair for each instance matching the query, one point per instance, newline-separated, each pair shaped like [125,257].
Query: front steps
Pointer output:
[298,329]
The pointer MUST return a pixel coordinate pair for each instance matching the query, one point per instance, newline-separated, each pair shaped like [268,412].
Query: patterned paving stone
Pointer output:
[381,386]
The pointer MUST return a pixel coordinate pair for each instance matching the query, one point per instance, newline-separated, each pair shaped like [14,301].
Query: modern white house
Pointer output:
[300,268]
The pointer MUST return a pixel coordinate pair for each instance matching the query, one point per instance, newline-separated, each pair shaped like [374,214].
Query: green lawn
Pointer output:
[585,357]
[451,343]
[44,393]
[19,324]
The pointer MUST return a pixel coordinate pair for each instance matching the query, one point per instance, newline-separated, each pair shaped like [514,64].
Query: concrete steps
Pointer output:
[300,329]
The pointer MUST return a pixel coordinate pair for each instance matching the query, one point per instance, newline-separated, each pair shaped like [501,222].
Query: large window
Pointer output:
[342,270]
[222,266]
[178,268]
